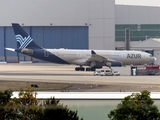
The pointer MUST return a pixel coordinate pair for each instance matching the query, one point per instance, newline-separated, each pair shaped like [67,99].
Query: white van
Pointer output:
[106,73]
[96,73]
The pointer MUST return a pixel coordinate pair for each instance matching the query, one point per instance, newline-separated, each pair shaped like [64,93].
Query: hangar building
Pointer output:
[76,24]
[72,24]
[144,25]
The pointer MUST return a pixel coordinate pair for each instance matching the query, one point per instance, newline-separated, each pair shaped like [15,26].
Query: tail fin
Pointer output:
[23,39]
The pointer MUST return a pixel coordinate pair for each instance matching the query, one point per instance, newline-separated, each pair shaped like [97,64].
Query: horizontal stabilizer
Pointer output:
[10,49]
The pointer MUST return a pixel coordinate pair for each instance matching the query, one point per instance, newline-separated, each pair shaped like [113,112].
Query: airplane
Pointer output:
[93,58]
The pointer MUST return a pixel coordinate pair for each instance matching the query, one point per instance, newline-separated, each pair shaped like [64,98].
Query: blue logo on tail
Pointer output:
[24,42]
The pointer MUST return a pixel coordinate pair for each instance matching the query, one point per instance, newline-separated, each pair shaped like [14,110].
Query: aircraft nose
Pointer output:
[154,58]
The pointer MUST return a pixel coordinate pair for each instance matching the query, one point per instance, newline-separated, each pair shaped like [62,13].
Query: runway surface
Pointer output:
[81,80]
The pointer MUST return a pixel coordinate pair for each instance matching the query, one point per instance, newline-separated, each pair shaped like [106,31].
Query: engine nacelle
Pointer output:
[27,51]
[116,64]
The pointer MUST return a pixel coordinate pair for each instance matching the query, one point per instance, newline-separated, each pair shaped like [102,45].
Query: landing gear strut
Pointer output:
[110,68]
[108,64]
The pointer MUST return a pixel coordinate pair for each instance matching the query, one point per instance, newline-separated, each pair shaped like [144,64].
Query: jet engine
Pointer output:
[27,51]
[114,64]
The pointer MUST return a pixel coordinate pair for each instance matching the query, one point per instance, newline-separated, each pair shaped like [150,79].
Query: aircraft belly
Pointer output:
[73,60]
[47,56]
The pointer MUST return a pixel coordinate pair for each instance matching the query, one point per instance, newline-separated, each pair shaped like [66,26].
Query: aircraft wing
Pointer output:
[99,58]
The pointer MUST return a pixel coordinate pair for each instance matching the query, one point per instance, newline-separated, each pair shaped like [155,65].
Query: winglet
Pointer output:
[92,52]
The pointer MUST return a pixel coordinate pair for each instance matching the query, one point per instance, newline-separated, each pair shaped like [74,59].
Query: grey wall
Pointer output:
[126,14]
[44,12]
[102,24]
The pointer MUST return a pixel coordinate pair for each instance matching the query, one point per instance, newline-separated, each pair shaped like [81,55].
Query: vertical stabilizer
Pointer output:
[23,39]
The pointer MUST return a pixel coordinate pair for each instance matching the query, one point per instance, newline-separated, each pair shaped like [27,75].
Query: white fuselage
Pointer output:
[79,57]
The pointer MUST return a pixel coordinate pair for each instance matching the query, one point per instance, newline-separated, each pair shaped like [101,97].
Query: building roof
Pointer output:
[149,43]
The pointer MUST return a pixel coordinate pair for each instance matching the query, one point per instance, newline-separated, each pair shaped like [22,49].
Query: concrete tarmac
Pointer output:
[82,81]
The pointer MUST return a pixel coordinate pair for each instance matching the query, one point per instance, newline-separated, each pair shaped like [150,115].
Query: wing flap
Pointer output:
[98,58]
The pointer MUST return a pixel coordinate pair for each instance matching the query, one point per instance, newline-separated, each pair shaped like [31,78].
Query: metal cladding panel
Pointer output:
[81,38]
[44,12]
[47,37]
[97,43]
[57,37]
[127,14]
[101,24]
[52,37]
[2,41]
[87,38]
[135,17]
[109,8]
[121,14]
[154,15]
[97,28]
[96,9]
[37,35]
[69,37]
[109,29]
[10,41]
[64,38]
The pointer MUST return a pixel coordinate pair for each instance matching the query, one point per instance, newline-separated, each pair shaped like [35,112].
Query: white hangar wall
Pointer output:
[127,14]
[98,15]
[102,24]
[133,16]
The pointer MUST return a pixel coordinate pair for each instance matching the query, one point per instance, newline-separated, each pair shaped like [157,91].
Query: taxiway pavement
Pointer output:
[82,81]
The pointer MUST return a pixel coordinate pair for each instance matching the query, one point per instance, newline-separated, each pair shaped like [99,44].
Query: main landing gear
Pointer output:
[83,69]
[79,69]
[91,69]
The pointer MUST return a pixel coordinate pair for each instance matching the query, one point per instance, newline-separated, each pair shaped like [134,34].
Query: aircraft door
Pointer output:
[149,51]
[46,53]
[78,54]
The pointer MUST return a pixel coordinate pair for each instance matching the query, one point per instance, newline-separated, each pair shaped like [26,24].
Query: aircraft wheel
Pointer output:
[93,69]
[88,69]
[77,69]
[82,69]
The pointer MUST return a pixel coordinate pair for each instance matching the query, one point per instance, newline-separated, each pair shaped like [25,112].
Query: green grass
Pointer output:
[42,86]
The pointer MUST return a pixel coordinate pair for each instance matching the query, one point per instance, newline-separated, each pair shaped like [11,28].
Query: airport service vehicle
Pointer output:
[106,73]
[94,59]
[115,73]
[96,73]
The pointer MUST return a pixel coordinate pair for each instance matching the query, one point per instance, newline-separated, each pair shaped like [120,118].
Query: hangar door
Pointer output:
[70,37]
